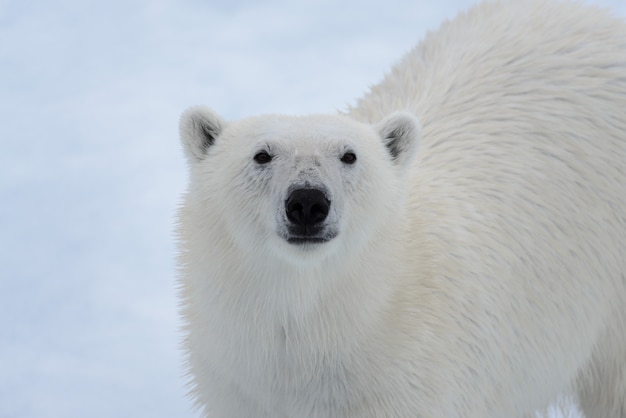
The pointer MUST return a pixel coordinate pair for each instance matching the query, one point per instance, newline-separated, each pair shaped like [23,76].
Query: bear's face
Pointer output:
[300,187]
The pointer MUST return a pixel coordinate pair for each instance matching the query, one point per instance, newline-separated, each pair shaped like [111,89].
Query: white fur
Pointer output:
[479,273]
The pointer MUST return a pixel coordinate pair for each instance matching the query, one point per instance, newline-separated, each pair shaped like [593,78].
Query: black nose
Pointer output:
[307,207]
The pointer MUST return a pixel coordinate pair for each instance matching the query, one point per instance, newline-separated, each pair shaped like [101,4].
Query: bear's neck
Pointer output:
[333,298]
[290,328]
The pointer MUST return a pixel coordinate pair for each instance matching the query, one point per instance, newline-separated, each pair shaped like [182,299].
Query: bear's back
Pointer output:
[520,180]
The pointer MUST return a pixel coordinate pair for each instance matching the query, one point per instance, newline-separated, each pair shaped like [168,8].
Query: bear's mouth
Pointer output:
[305,237]
[307,240]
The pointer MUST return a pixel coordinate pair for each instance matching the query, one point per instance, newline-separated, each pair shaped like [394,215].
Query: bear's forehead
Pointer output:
[299,129]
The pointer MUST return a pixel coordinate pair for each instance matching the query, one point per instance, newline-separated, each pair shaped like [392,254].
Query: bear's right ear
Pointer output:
[199,128]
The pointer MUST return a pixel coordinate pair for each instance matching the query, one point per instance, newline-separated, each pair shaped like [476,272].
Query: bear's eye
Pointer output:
[348,158]
[262,157]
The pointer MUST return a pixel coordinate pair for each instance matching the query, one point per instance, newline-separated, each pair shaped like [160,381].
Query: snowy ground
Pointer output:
[91,170]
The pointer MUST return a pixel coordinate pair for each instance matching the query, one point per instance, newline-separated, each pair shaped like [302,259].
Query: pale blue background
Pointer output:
[91,170]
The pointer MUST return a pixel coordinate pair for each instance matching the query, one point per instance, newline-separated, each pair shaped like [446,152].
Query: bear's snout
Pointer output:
[306,210]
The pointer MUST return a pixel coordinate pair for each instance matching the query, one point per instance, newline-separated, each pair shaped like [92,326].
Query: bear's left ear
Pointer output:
[400,133]
[199,128]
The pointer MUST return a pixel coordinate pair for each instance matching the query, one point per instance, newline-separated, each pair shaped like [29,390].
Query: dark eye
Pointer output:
[348,158]
[262,157]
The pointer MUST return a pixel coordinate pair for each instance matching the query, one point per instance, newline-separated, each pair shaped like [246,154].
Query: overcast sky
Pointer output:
[91,170]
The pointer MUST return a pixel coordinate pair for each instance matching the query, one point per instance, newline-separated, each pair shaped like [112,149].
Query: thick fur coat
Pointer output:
[453,246]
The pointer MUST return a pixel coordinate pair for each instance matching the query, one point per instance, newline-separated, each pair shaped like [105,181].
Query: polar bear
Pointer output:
[454,245]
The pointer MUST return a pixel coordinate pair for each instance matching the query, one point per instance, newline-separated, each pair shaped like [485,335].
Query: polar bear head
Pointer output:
[300,188]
